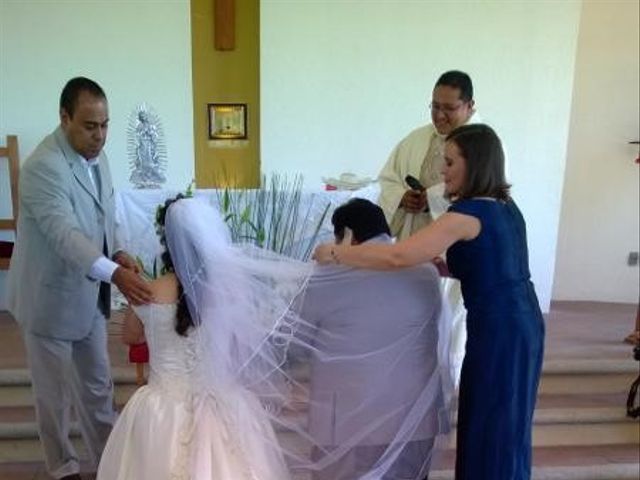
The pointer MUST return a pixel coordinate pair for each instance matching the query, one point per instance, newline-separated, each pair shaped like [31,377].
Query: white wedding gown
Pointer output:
[170,430]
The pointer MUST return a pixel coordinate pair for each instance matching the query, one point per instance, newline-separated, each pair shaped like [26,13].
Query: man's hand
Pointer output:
[134,288]
[414,201]
[125,260]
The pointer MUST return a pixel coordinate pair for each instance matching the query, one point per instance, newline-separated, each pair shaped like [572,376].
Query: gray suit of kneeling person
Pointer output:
[376,387]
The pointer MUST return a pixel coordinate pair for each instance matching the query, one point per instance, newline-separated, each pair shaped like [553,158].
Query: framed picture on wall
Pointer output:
[227,121]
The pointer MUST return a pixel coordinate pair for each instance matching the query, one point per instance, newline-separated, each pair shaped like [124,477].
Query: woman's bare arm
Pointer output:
[420,247]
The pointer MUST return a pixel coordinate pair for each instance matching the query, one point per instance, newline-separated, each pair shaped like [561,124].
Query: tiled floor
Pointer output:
[574,330]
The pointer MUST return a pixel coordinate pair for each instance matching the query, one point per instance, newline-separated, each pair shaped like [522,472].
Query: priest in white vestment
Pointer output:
[421,155]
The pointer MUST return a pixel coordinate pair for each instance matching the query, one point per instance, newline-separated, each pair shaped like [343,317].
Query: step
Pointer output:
[36,471]
[628,471]
[15,386]
[585,376]
[559,376]
[556,427]
[570,375]
[558,420]
[567,418]
[617,462]
[565,421]
[561,419]
[579,419]
[595,419]
[28,449]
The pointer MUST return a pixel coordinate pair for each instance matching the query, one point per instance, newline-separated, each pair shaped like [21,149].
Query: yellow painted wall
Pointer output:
[226,77]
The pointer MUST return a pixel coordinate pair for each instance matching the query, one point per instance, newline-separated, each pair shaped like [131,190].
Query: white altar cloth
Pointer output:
[136,210]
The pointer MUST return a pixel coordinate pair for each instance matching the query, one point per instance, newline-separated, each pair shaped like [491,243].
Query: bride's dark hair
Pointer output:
[183,317]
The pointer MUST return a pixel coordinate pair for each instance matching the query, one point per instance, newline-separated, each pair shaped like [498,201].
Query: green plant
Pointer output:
[273,216]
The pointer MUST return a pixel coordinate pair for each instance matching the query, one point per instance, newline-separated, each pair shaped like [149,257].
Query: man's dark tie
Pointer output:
[97,181]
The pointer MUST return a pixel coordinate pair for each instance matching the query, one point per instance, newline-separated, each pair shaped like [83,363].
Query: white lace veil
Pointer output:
[238,296]
[239,299]
[380,385]
[243,301]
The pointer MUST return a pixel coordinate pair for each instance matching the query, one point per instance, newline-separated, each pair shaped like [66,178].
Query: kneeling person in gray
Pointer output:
[376,393]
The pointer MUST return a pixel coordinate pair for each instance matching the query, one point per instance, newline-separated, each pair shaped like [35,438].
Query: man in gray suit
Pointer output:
[66,256]
[376,396]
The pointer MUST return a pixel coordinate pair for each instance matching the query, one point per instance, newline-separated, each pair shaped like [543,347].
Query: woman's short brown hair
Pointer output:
[484,157]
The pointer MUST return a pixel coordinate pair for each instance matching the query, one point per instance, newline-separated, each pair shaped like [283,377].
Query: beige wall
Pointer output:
[339,88]
[343,82]
[137,51]
[599,218]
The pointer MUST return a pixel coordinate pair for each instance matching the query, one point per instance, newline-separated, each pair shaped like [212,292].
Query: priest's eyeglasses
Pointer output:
[446,109]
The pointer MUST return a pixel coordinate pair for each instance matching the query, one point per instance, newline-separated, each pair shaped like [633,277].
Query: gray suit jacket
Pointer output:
[378,334]
[62,230]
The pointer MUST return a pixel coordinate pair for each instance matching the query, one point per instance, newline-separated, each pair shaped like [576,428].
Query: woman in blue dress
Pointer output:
[484,235]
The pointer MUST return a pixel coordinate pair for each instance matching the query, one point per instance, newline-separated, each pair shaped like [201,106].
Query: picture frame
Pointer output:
[227,121]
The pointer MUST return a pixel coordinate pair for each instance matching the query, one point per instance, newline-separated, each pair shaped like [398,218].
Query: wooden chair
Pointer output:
[10,152]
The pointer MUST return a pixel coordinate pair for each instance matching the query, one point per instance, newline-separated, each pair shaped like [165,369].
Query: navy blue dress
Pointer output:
[505,339]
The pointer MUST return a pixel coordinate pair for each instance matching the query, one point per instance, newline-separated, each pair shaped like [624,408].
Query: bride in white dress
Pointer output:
[217,335]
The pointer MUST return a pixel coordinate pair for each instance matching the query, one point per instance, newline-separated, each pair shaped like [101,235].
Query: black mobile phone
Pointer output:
[416,186]
[413,183]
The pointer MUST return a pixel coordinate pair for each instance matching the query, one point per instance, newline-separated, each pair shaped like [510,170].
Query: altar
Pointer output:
[136,210]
